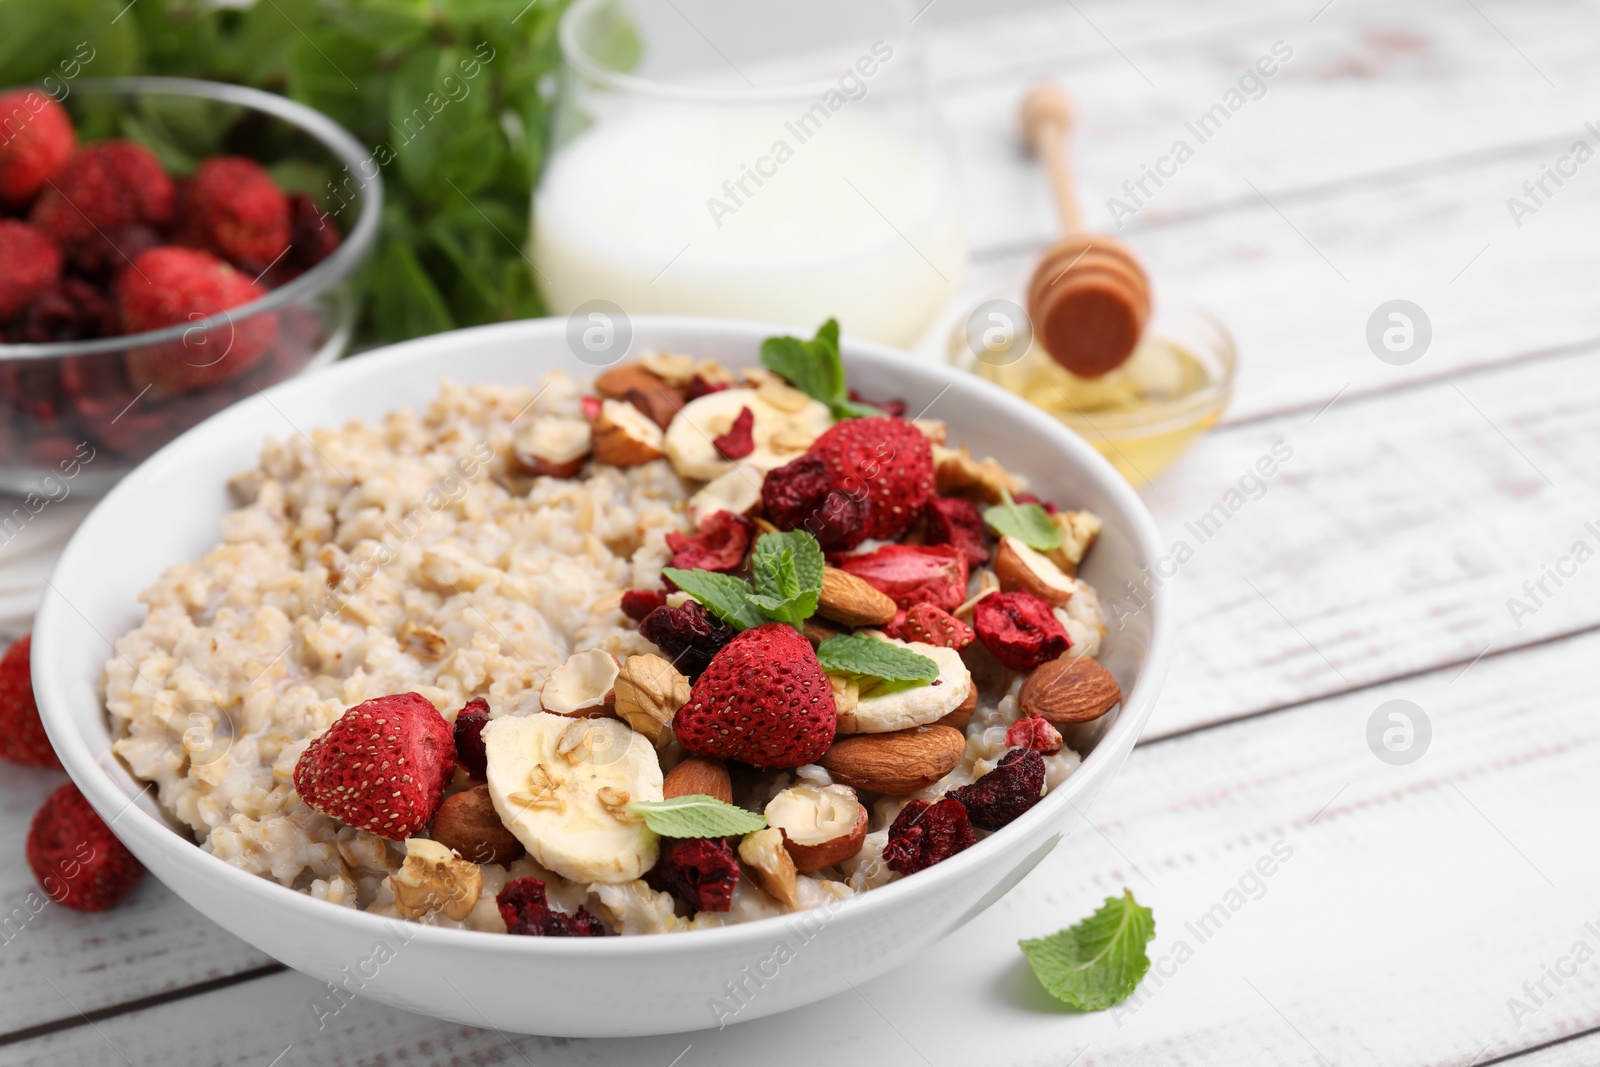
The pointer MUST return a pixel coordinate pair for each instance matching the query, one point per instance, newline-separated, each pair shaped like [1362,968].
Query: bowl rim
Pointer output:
[108,797]
[350,254]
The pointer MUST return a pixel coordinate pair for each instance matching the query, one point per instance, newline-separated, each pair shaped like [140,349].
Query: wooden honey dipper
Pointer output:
[1089,298]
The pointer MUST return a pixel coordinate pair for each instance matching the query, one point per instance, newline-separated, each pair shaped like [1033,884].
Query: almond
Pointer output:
[1065,691]
[553,445]
[698,777]
[659,402]
[958,719]
[624,436]
[1020,567]
[818,630]
[468,823]
[900,762]
[821,825]
[617,382]
[850,601]
[1079,529]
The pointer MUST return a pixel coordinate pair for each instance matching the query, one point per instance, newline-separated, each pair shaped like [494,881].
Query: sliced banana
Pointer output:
[563,787]
[780,435]
[883,706]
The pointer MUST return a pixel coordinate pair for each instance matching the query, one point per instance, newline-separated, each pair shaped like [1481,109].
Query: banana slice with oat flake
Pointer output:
[884,706]
[563,787]
[786,422]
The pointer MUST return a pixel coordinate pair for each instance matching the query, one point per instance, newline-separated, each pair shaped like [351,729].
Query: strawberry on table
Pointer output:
[22,736]
[75,857]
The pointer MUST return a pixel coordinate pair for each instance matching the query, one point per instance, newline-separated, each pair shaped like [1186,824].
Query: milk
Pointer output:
[772,212]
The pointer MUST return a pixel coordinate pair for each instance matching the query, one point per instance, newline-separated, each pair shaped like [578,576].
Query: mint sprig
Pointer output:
[1100,961]
[787,570]
[860,654]
[816,369]
[1028,523]
[697,815]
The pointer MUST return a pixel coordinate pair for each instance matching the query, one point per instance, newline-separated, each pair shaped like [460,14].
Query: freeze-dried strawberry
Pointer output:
[932,626]
[764,701]
[721,544]
[739,440]
[75,857]
[381,767]
[1032,731]
[924,834]
[468,736]
[914,574]
[687,634]
[29,266]
[527,911]
[101,189]
[22,736]
[886,462]
[39,140]
[699,387]
[802,495]
[699,871]
[637,603]
[955,520]
[1013,787]
[232,208]
[1020,629]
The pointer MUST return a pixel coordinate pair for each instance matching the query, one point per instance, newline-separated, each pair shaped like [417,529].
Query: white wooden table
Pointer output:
[1429,913]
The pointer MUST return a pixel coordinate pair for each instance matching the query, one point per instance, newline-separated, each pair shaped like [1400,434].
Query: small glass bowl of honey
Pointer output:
[1140,416]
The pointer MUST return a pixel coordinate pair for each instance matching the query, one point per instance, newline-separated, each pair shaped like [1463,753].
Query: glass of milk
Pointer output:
[754,159]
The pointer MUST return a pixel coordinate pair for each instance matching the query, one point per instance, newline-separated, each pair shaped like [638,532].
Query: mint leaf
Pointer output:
[1028,523]
[1098,962]
[860,654]
[788,575]
[816,369]
[697,815]
[853,409]
[726,597]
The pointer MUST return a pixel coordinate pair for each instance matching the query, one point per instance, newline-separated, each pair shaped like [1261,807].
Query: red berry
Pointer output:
[1013,787]
[720,545]
[22,736]
[699,387]
[1033,732]
[764,700]
[29,266]
[895,407]
[954,520]
[103,188]
[313,232]
[886,462]
[1020,629]
[802,495]
[382,767]
[738,442]
[75,857]
[924,834]
[637,603]
[525,910]
[687,634]
[933,626]
[168,286]
[39,140]
[468,735]
[1029,498]
[699,871]
[232,208]
[914,574]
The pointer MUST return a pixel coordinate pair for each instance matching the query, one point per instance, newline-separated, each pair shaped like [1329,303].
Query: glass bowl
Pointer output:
[1141,416]
[70,419]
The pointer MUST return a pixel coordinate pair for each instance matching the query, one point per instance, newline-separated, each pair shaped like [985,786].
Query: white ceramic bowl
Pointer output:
[167,511]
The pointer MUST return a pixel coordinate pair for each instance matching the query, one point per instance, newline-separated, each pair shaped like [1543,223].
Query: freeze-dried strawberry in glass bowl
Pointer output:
[162,255]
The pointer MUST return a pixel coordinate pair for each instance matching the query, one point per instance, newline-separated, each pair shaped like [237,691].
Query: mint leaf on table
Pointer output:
[860,654]
[726,597]
[1100,961]
[697,815]
[1028,523]
[816,369]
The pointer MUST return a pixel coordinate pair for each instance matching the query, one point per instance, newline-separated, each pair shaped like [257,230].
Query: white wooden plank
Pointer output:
[1413,902]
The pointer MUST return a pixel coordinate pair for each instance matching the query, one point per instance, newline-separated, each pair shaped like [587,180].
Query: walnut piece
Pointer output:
[434,878]
[649,692]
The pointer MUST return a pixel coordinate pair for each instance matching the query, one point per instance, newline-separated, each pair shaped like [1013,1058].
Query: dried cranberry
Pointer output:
[470,753]
[699,387]
[954,520]
[31,389]
[1020,629]
[895,407]
[1029,498]
[525,910]
[637,603]
[802,495]
[914,574]
[720,545]
[1033,732]
[105,255]
[932,626]
[739,440]
[591,407]
[699,871]
[923,834]
[687,634]
[314,235]
[1013,787]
